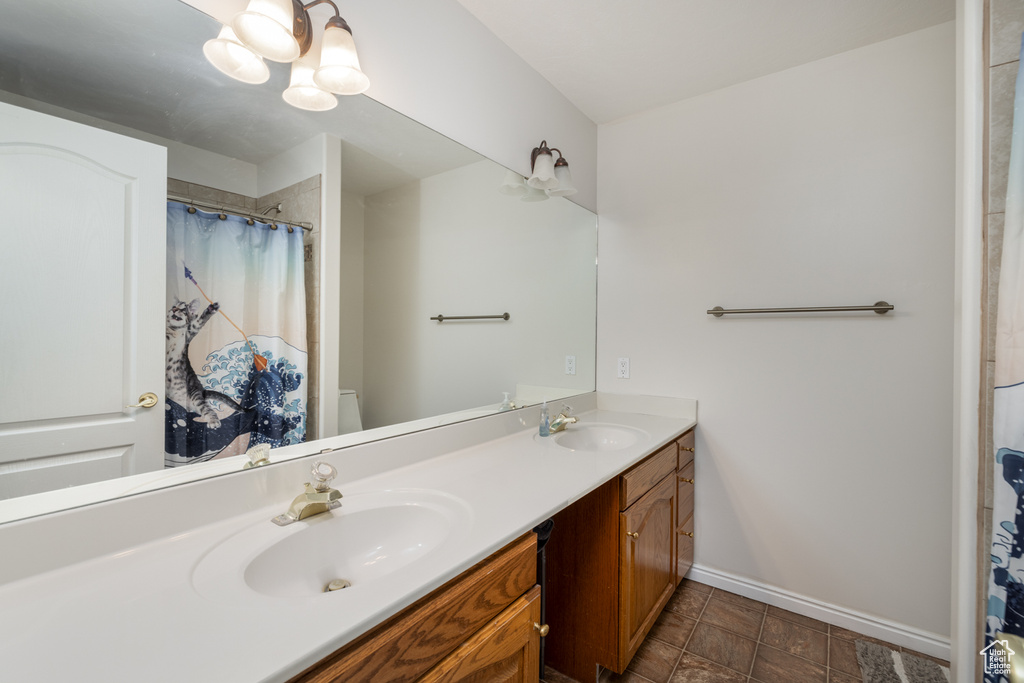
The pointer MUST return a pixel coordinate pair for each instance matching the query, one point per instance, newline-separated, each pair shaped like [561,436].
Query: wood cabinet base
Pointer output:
[408,645]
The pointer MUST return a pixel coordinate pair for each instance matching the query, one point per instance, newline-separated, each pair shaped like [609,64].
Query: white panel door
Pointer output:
[81,307]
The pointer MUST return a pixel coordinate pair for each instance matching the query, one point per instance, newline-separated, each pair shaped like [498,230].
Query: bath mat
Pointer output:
[879,664]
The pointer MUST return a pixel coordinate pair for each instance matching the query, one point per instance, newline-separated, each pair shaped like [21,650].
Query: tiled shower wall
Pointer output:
[300,203]
[1002,43]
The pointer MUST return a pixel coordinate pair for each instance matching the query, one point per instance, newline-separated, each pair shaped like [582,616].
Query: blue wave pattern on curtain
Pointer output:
[1006,582]
[236,336]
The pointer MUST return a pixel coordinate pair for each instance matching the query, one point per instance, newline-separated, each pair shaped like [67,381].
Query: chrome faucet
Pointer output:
[563,419]
[318,498]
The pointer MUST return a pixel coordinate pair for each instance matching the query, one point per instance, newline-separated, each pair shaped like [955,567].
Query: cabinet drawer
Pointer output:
[644,476]
[684,497]
[686,448]
[507,650]
[684,548]
[406,646]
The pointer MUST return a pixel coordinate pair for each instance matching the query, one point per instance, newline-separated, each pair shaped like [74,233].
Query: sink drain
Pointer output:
[337,585]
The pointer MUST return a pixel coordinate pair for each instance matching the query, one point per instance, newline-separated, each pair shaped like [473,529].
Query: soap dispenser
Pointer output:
[545,420]
[507,403]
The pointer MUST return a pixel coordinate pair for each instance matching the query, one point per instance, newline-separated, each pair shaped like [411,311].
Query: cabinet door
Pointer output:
[647,563]
[504,651]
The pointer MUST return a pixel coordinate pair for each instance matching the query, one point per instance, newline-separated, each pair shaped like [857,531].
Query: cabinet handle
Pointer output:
[542,629]
[688,481]
[687,533]
[634,534]
[688,449]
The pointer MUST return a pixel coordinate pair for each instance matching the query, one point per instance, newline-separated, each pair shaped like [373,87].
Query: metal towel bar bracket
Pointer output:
[441,318]
[880,307]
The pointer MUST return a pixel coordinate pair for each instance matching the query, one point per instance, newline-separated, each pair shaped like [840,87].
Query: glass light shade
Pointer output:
[266,27]
[543,177]
[513,184]
[231,57]
[534,195]
[565,186]
[303,93]
[339,64]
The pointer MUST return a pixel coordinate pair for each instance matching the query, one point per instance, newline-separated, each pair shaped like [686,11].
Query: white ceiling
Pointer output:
[140,64]
[614,58]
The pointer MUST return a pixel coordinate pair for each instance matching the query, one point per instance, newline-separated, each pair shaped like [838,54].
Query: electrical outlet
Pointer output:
[570,365]
[623,368]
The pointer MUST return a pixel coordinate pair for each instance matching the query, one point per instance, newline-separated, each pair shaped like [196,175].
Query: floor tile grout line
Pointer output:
[757,644]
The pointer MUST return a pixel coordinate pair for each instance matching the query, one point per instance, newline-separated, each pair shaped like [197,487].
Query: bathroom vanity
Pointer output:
[625,547]
[196,583]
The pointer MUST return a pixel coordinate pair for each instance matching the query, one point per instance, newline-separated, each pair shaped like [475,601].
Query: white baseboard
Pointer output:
[876,627]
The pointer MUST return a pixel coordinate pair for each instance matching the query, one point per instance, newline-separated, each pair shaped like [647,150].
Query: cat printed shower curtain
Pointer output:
[236,336]
[1005,613]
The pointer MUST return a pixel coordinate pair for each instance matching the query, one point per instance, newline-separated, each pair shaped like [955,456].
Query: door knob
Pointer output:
[542,629]
[147,400]
[634,534]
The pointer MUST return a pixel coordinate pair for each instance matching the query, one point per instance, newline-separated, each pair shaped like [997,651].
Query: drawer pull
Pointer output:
[542,629]
[688,449]
[634,534]
[688,481]
[687,533]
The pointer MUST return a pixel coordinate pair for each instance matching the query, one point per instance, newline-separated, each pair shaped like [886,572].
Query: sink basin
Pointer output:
[598,437]
[371,536]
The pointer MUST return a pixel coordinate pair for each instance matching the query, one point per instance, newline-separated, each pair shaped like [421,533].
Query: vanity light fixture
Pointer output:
[548,177]
[280,30]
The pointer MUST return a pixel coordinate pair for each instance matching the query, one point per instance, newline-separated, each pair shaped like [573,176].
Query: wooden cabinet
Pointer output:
[505,651]
[615,558]
[479,626]
[647,563]
[684,506]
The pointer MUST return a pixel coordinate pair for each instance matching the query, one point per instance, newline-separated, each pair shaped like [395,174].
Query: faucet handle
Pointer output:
[566,410]
[323,475]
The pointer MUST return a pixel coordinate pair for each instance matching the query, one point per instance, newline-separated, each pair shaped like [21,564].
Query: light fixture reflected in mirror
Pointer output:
[513,185]
[303,92]
[280,30]
[534,195]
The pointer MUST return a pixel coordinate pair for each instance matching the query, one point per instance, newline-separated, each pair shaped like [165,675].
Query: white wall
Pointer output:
[452,244]
[302,161]
[824,441]
[350,367]
[184,162]
[435,62]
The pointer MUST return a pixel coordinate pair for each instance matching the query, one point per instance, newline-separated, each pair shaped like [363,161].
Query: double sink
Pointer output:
[372,536]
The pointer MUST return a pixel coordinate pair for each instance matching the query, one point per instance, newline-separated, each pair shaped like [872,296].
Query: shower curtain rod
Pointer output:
[232,212]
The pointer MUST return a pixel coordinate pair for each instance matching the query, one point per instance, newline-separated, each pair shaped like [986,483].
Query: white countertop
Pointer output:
[137,615]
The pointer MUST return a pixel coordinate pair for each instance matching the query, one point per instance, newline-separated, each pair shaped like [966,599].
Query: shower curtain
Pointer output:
[1006,581]
[236,336]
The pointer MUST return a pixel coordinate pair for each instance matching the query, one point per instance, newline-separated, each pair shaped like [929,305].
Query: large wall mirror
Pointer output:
[424,231]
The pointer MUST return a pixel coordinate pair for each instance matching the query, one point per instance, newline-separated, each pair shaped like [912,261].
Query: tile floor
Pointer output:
[707,635]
